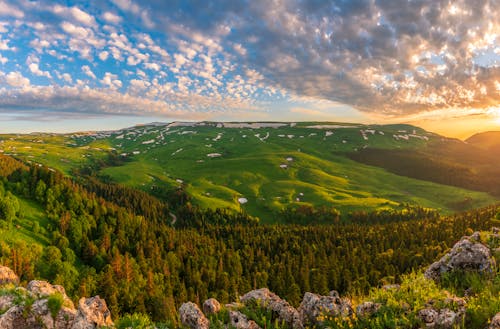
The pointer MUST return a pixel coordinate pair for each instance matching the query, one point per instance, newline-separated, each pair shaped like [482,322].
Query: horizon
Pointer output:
[78,66]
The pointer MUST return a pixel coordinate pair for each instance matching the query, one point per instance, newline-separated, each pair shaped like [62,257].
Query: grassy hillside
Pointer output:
[258,167]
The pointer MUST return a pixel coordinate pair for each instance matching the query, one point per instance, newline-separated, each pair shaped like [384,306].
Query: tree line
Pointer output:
[130,252]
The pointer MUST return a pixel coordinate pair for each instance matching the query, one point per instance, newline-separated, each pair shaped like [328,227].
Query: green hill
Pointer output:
[257,167]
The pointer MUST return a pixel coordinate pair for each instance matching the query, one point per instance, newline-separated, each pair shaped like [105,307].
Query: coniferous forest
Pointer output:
[147,255]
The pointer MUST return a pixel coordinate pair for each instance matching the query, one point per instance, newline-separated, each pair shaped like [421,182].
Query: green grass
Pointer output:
[249,166]
[22,228]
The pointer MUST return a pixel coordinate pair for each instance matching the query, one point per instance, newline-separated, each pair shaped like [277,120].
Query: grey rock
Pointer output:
[495,322]
[42,289]
[367,309]
[466,255]
[211,306]
[443,319]
[92,313]
[193,317]
[314,307]
[391,287]
[284,311]
[240,321]
[8,276]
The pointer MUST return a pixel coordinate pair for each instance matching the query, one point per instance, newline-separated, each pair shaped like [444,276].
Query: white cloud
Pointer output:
[16,79]
[10,10]
[111,18]
[86,69]
[111,80]
[3,60]
[35,69]
[103,55]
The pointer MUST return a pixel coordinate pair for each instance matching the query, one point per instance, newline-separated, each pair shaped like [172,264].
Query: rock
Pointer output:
[391,287]
[211,306]
[240,321]
[465,255]
[8,276]
[428,315]
[495,230]
[193,317]
[42,289]
[284,311]
[444,318]
[314,307]
[367,309]
[495,322]
[92,313]
[6,302]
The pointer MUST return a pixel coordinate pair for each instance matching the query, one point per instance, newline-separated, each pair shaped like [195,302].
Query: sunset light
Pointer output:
[129,61]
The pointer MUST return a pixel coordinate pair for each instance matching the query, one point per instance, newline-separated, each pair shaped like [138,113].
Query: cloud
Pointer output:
[392,58]
[7,9]
[86,69]
[35,69]
[111,18]
[17,80]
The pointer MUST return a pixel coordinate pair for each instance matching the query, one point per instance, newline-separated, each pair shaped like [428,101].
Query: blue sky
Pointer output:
[84,65]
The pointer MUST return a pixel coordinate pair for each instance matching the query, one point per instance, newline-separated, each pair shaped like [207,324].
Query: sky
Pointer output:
[108,64]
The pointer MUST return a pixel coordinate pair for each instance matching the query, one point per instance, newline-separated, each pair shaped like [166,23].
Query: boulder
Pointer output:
[240,321]
[211,306]
[42,289]
[314,307]
[495,322]
[443,319]
[8,276]
[92,313]
[279,307]
[466,255]
[367,309]
[193,317]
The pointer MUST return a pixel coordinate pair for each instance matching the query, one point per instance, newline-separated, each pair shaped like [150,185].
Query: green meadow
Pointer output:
[259,168]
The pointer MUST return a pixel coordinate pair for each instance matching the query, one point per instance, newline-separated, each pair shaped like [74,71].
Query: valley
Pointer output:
[262,168]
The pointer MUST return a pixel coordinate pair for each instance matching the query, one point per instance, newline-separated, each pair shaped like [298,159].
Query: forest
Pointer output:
[125,245]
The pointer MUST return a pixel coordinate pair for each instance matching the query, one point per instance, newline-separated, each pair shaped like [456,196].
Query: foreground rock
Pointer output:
[495,322]
[284,311]
[367,309]
[443,319]
[315,308]
[8,276]
[466,255]
[92,312]
[211,306]
[240,321]
[28,314]
[193,317]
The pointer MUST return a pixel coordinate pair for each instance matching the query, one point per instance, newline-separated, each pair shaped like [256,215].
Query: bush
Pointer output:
[54,303]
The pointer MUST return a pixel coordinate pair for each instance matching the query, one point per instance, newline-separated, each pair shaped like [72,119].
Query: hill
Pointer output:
[489,140]
[261,168]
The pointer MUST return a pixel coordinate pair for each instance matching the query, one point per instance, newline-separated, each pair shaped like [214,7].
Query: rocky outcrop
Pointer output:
[314,308]
[367,309]
[193,317]
[8,276]
[283,311]
[42,289]
[495,322]
[29,309]
[92,312]
[211,306]
[467,254]
[240,321]
[443,319]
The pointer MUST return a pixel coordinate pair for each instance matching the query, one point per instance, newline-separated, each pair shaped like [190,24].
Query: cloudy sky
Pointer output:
[83,65]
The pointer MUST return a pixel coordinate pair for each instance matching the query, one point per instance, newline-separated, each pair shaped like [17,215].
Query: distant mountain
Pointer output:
[489,140]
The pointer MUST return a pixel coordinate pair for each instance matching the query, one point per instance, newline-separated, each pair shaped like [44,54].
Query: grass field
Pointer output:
[274,166]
